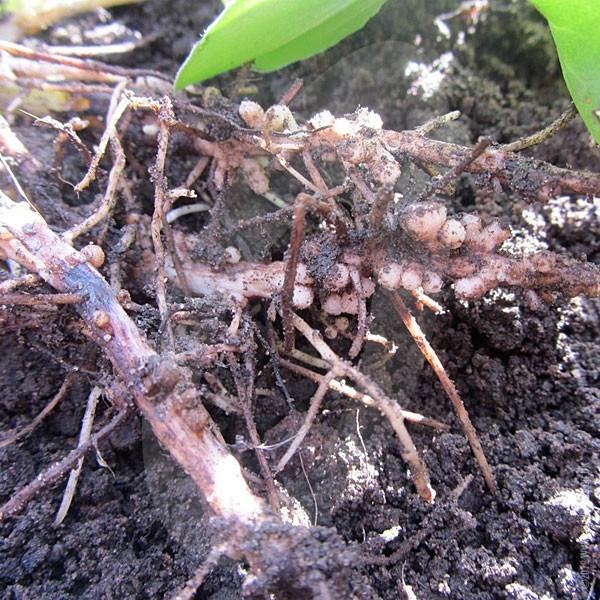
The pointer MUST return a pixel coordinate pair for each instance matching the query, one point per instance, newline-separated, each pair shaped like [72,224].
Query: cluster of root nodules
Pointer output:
[352,229]
[404,241]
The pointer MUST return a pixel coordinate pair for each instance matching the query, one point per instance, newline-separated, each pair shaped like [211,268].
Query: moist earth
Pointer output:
[529,378]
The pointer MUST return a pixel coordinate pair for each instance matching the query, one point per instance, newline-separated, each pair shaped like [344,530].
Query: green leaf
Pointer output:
[273,34]
[575,26]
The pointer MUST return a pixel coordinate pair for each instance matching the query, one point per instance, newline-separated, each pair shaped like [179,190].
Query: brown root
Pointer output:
[429,353]
[368,232]
[161,389]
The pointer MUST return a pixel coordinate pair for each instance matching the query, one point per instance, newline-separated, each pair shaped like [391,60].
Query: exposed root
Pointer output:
[368,234]
[310,488]
[438,122]
[354,394]
[388,407]
[158,217]
[110,195]
[241,281]
[28,280]
[100,50]
[309,359]
[361,329]
[287,291]
[188,592]
[283,214]
[245,391]
[13,437]
[313,409]
[17,299]
[309,185]
[314,173]
[270,345]
[117,108]
[67,131]
[541,182]
[57,470]
[161,389]
[291,92]
[443,182]
[84,436]
[454,250]
[448,385]
[423,300]
[166,225]
[547,132]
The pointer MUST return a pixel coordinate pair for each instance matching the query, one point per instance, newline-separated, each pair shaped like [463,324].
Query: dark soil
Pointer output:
[530,379]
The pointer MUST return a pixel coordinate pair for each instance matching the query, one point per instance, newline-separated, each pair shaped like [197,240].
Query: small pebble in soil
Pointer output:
[566,516]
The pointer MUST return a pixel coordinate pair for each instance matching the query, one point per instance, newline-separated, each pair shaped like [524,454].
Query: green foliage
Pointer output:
[272,34]
[575,26]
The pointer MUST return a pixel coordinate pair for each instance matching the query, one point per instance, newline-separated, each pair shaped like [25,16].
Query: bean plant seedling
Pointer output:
[375,222]
[272,34]
[575,25]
